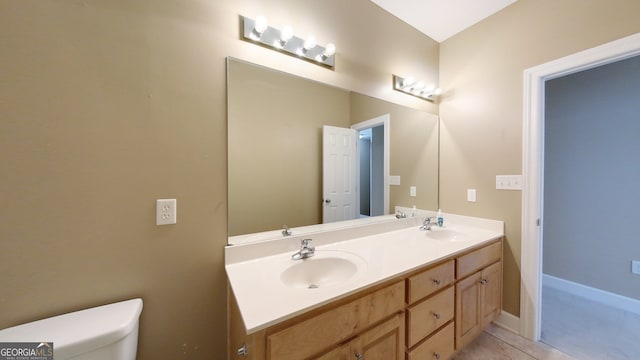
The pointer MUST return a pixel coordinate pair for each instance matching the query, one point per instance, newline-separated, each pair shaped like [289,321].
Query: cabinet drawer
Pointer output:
[438,346]
[428,315]
[429,281]
[311,336]
[470,263]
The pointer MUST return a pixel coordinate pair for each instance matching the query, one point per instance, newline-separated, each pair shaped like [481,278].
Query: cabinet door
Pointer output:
[332,327]
[491,293]
[383,342]
[468,311]
[341,353]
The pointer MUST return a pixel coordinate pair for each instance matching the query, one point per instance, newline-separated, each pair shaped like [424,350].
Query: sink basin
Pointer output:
[449,234]
[326,268]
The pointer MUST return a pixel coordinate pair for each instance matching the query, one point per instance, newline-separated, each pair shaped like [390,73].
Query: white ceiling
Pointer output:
[441,19]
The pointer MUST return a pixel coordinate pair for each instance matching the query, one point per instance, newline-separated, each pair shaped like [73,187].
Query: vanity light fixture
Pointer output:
[415,88]
[259,32]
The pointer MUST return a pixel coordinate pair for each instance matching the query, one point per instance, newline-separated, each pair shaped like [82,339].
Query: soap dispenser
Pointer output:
[440,218]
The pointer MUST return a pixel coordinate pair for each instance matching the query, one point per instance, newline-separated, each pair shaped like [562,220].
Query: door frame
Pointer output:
[371,123]
[533,166]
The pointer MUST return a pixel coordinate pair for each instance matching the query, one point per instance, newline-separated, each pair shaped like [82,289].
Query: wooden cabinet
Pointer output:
[440,346]
[332,327]
[478,296]
[491,293]
[342,352]
[430,281]
[383,342]
[468,323]
[427,314]
[430,312]
[241,345]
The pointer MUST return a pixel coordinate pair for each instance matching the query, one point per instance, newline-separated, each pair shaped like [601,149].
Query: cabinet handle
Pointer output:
[436,355]
[242,350]
[436,282]
[436,315]
[484,281]
[359,356]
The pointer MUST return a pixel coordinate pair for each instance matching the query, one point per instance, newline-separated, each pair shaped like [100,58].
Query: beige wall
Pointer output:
[413,153]
[275,146]
[106,106]
[481,112]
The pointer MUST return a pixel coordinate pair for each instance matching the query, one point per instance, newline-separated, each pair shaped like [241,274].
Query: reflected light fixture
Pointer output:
[409,85]
[259,32]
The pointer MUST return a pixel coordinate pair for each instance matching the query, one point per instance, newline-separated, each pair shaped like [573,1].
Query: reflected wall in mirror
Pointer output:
[275,123]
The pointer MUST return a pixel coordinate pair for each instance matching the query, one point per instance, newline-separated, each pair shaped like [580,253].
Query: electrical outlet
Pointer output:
[471,195]
[166,211]
[412,191]
[635,267]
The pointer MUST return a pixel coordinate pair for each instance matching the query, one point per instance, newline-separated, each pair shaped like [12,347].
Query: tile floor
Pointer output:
[588,330]
[496,343]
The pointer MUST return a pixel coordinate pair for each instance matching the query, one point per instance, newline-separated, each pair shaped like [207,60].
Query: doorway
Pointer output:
[533,173]
[371,170]
[373,166]
[591,172]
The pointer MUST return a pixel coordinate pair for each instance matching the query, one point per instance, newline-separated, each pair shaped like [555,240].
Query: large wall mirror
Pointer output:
[275,150]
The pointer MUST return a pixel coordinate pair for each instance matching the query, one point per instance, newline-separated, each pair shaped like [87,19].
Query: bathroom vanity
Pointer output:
[410,293]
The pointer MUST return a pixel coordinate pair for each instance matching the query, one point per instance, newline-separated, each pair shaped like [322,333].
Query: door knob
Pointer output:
[327,201]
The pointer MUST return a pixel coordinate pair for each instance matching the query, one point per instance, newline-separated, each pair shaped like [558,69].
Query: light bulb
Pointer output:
[310,42]
[408,82]
[329,50]
[430,89]
[286,33]
[260,24]
[418,87]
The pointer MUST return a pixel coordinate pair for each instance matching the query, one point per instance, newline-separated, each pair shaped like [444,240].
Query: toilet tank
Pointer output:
[108,332]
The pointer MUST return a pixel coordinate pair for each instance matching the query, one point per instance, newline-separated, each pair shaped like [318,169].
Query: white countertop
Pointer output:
[264,300]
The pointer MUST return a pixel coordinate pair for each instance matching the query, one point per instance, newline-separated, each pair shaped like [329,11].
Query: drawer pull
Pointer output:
[484,281]
[436,316]
[359,356]
[436,282]
[436,355]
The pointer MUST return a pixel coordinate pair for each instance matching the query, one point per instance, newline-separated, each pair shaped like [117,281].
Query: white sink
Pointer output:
[327,268]
[450,234]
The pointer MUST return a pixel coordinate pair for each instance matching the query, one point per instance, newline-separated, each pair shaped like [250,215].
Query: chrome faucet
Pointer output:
[400,215]
[306,250]
[428,223]
[286,231]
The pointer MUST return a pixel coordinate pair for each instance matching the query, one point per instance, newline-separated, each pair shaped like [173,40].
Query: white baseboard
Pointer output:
[508,321]
[601,296]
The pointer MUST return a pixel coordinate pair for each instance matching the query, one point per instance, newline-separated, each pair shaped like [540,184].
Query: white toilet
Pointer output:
[108,332]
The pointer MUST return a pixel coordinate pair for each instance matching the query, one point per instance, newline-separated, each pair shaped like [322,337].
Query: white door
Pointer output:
[339,174]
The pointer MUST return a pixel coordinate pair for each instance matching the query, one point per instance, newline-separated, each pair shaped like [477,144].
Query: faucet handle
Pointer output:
[305,242]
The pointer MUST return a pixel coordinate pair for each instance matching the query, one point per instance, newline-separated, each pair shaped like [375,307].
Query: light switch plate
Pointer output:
[412,191]
[394,180]
[508,182]
[635,267]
